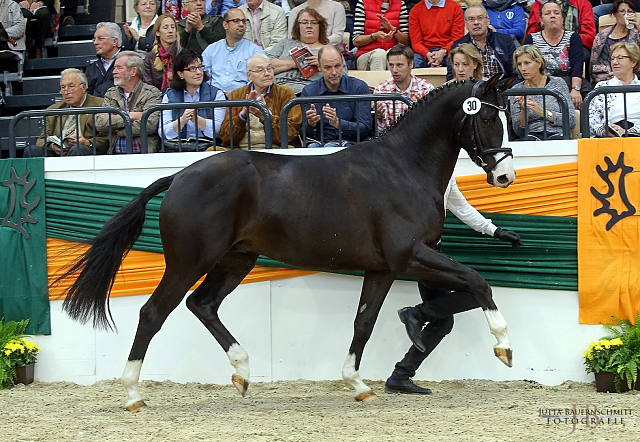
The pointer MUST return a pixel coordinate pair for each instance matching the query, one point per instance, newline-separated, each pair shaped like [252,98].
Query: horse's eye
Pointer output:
[485,121]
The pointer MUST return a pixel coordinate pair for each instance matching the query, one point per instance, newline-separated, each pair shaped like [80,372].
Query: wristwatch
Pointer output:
[576,88]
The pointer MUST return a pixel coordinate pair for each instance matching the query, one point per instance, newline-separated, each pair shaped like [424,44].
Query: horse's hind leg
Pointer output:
[205,301]
[375,287]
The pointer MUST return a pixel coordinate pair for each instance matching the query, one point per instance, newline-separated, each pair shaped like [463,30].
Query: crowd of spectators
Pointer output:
[237,49]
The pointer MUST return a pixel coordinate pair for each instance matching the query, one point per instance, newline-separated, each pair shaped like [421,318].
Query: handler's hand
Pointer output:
[508,236]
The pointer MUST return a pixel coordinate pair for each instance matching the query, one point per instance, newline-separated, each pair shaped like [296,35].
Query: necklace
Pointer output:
[531,85]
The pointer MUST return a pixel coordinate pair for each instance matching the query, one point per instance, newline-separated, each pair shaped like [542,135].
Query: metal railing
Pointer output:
[207,105]
[584,116]
[334,99]
[566,130]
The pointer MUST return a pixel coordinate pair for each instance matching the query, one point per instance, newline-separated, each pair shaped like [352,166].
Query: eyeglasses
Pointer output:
[145,4]
[472,19]
[101,38]
[238,21]
[194,69]
[619,57]
[69,88]
[267,70]
[627,12]
[308,22]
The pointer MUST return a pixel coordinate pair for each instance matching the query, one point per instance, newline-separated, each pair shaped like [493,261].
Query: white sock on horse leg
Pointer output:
[239,359]
[352,376]
[498,327]
[130,379]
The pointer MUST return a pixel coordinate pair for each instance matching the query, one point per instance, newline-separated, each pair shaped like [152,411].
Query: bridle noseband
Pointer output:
[477,151]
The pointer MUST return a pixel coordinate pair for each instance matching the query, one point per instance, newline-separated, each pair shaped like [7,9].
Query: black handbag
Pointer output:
[188,145]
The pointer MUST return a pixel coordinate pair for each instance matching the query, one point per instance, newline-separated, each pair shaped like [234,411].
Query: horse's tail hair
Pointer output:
[88,297]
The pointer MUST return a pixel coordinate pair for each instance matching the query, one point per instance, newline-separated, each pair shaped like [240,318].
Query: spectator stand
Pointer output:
[14,134]
[584,118]
[566,130]
[205,104]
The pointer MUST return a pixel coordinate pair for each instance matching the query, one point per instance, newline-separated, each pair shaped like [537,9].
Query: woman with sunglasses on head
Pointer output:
[623,118]
[158,63]
[189,84]
[625,29]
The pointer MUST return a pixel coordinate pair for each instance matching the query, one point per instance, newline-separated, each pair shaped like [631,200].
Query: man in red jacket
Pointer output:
[433,26]
[578,17]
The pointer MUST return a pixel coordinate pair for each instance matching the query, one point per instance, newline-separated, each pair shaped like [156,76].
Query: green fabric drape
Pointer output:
[547,260]
[23,244]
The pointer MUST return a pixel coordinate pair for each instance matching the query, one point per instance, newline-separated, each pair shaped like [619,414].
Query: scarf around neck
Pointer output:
[166,58]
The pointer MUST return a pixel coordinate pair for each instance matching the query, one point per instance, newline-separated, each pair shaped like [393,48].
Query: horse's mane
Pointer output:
[426,99]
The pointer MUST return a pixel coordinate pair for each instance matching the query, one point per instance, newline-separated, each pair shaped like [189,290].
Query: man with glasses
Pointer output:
[70,135]
[225,60]
[496,49]
[433,27]
[199,29]
[266,23]
[106,40]
[261,88]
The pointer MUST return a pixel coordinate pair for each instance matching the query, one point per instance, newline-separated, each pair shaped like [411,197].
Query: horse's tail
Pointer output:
[88,296]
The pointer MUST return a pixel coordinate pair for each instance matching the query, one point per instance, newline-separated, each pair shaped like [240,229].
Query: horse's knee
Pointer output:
[441,327]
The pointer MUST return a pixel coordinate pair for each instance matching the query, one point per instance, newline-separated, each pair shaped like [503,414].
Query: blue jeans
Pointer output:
[599,11]
[331,144]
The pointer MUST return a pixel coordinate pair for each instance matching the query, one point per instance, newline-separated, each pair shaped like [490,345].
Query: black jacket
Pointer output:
[502,44]
[98,81]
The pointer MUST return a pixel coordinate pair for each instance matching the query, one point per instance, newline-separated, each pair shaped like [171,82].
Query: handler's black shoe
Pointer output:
[405,386]
[413,326]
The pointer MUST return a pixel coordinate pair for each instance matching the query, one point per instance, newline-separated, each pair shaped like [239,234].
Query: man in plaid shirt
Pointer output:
[400,60]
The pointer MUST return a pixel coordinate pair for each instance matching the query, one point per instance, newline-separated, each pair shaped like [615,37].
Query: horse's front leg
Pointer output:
[375,287]
[438,268]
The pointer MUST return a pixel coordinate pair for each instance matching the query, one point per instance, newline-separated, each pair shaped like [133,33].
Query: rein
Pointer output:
[478,150]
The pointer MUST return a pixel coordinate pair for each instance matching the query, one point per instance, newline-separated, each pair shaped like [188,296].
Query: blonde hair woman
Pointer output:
[466,62]
[158,63]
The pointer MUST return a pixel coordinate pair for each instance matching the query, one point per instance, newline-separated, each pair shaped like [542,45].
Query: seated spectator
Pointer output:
[199,29]
[189,84]
[466,62]
[625,12]
[506,17]
[64,139]
[378,27]
[333,13]
[577,17]
[139,35]
[562,51]
[12,22]
[133,95]
[100,72]
[544,123]
[157,64]
[625,64]
[433,27]
[496,49]
[39,15]
[177,8]
[266,23]
[402,81]
[262,88]
[309,29]
[220,7]
[324,126]
[225,60]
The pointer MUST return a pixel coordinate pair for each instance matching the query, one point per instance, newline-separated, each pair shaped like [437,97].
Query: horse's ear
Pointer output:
[489,84]
[506,83]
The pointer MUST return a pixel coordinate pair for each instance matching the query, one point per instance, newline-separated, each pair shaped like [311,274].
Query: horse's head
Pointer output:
[482,130]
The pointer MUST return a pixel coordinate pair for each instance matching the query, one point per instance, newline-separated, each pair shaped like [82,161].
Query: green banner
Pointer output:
[23,244]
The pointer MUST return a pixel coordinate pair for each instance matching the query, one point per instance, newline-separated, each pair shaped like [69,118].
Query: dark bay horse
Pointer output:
[376,206]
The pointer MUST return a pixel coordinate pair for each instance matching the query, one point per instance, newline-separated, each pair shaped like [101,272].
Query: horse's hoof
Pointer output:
[505,355]
[241,384]
[367,396]
[136,406]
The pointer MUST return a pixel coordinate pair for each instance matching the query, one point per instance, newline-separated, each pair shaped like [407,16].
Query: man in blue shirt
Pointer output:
[335,124]
[225,60]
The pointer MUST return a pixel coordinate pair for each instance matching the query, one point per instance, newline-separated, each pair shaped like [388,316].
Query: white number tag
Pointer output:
[471,106]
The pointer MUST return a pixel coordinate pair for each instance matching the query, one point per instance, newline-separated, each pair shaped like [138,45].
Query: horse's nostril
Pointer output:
[503,179]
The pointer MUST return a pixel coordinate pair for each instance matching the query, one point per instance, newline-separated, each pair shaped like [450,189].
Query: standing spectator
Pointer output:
[132,95]
[496,49]
[39,15]
[13,23]
[577,17]
[158,63]
[325,127]
[199,29]
[100,72]
[402,81]
[262,88]
[139,35]
[506,17]
[266,23]
[378,27]
[333,13]
[625,12]
[74,136]
[309,29]
[433,27]
[562,51]
[225,60]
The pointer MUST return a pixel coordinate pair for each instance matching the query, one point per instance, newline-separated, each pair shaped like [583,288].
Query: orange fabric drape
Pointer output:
[608,251]
[140,272]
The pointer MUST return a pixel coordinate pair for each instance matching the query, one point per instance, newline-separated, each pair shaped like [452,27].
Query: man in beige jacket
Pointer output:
[266,23]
